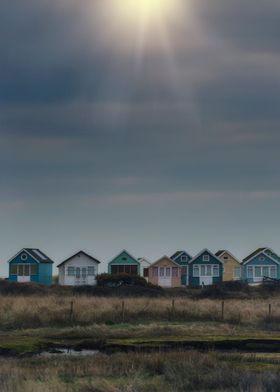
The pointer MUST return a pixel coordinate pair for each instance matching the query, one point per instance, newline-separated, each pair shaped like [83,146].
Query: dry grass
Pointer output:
[157,372]
[54,311]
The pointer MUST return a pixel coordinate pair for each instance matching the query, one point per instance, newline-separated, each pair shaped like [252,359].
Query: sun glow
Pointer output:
[146,14]
[149,9]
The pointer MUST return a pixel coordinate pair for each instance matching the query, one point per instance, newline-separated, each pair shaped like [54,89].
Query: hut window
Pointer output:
[215,270]
[225,257]
[237,273]
[155,271]
[71,271]
[78,273]
[121,269]
[20,270]
[261,258]
[184,258]
[168,271]
[265,271]
[14,269]
[206,258]
[174,272]
[23,257]
[273,272]
[209,270]
[258,272]
[161,271]
[26,269]
[146,272]
[127,269]
[133,269]
[91,271]
[184,270]
[203,270]
[196,271]
[250,272]
[114,270]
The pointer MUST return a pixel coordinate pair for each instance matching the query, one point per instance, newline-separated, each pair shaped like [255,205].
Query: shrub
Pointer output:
[120,280]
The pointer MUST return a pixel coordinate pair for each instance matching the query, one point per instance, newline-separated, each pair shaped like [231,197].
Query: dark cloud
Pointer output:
[99,137]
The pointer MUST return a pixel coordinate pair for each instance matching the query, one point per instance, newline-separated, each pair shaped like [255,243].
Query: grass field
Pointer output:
[155,372]
[146,344]
[55,311]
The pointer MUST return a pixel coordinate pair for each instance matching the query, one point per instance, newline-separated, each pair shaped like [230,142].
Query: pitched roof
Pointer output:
[220,252]
[179,253]
[176,254]
[129,254]
[143,260]
[76,254]
[203,251]
[38,255]
[272,254]
[267,252]
[250,256]
[168,258]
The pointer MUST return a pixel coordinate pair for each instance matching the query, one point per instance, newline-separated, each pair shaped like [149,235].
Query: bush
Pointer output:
[120,280]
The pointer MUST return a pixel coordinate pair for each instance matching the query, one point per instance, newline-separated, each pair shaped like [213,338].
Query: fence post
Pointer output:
[123,312]
[269,310]
[173,307]
[71,312]
[223,310]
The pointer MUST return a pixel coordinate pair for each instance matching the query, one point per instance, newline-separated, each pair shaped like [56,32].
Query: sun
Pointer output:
[145,8]
[148,12]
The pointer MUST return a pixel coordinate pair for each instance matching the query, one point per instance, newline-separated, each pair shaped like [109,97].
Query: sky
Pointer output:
[152,128]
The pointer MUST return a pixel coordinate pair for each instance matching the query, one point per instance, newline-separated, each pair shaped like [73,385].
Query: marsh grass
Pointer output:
[18,312]
[157,372]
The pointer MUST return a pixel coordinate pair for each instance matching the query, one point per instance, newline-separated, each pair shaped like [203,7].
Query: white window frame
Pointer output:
[250,267]
[90,270]
[260,271]
[206,258]
[72,269]
[274,268]
[210,270]
[270,269]
[238,274]
[23,265]
[196,271]
[216,275]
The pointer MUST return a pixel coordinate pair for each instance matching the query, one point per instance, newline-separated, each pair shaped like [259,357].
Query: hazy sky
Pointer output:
[151,131]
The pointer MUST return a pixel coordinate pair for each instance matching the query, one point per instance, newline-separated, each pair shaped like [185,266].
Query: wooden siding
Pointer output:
[230,263]
[174,281]
[124,263]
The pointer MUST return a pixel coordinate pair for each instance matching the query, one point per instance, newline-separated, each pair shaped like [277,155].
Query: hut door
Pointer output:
[165,277]
[84,275]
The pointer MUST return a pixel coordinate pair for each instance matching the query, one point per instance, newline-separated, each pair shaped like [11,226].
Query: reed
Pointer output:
[17,312]
[176,372]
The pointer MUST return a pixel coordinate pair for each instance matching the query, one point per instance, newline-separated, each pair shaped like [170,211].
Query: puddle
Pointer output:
[67,352]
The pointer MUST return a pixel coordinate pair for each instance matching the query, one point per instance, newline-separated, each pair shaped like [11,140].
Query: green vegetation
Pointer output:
[151,372]
[146,344]
[44,311]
